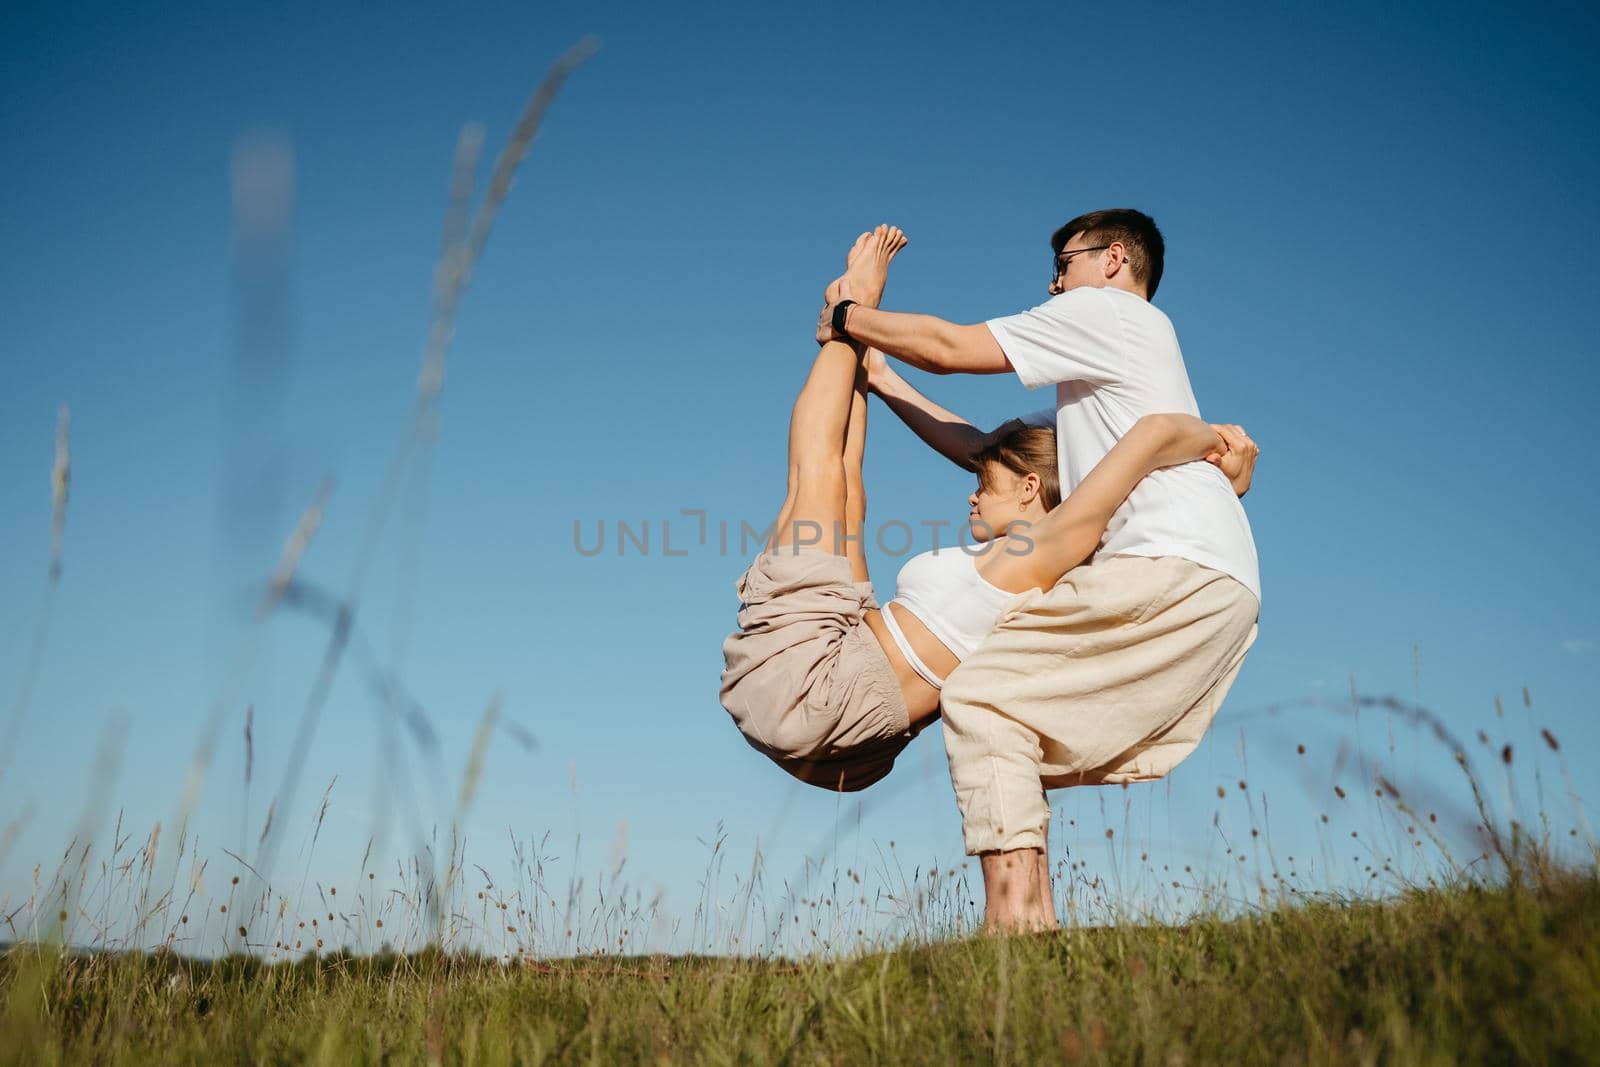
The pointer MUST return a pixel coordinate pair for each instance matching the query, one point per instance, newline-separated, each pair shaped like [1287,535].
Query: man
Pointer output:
[1115,673]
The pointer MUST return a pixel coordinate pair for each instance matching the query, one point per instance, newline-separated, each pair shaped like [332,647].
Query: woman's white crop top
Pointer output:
[944,590]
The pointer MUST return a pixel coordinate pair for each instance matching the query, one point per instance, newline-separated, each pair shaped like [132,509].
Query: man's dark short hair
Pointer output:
[1135,230]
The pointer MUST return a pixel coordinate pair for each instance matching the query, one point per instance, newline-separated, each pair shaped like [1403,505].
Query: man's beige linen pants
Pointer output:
[1113,675]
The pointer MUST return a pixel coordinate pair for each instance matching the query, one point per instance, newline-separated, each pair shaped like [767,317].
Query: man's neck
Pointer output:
[1139,292]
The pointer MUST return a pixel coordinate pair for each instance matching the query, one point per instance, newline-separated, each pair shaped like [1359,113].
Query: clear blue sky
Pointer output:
[1381,224]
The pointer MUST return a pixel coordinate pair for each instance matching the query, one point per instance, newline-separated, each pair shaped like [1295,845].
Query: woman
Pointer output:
[821,679]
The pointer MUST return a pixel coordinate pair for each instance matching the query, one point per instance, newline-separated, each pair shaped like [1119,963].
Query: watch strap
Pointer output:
[841,311]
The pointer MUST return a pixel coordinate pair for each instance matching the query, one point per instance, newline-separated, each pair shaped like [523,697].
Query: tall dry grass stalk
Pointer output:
[108,757]
[471,776]
[60,479]
[458,258]
[243,659]
[459,252]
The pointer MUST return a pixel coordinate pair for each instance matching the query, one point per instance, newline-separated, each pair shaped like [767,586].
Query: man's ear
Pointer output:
[1116,258]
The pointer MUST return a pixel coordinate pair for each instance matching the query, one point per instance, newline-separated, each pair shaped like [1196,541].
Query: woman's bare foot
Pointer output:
[867,267]
[834,292]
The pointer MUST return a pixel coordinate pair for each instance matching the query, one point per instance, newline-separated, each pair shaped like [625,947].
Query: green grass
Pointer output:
[1462,974]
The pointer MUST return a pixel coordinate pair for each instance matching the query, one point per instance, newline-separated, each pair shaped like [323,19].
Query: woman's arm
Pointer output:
[1038,558]
[1163,441]
[942,430]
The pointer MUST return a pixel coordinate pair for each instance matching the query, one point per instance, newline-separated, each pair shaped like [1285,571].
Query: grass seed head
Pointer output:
[60,478]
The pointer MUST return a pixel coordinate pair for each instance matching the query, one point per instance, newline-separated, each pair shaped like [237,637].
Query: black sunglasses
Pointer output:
[1059,263]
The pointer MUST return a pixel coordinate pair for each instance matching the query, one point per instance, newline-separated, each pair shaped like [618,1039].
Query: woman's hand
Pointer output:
[878,368]
[1238,462]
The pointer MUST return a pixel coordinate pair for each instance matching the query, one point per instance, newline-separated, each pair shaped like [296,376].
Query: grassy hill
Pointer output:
[1509,973]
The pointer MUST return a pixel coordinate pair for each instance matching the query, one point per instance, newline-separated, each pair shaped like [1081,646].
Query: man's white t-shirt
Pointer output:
[1114,357]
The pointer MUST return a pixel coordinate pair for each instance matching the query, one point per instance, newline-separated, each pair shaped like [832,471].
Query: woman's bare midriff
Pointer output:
[922,699]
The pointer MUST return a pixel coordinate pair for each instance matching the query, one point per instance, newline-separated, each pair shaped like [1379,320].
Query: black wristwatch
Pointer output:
[840,310]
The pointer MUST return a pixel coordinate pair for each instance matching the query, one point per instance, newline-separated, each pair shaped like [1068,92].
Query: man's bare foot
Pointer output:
[867,267]
[1016,887]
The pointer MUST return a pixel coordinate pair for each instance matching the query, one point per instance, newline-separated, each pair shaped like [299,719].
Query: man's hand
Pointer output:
[825,332]
[1238,462]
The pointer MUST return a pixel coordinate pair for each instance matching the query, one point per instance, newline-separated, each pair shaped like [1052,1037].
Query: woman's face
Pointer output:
[999,501]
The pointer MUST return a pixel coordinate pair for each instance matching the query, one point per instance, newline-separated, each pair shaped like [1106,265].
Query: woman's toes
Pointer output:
[862,244]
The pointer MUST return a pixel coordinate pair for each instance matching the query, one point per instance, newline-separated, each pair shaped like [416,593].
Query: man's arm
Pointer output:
[1238,459]
[924,341]
[942,430]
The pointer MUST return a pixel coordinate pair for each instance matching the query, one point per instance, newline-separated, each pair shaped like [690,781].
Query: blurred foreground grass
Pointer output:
[1470,973]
